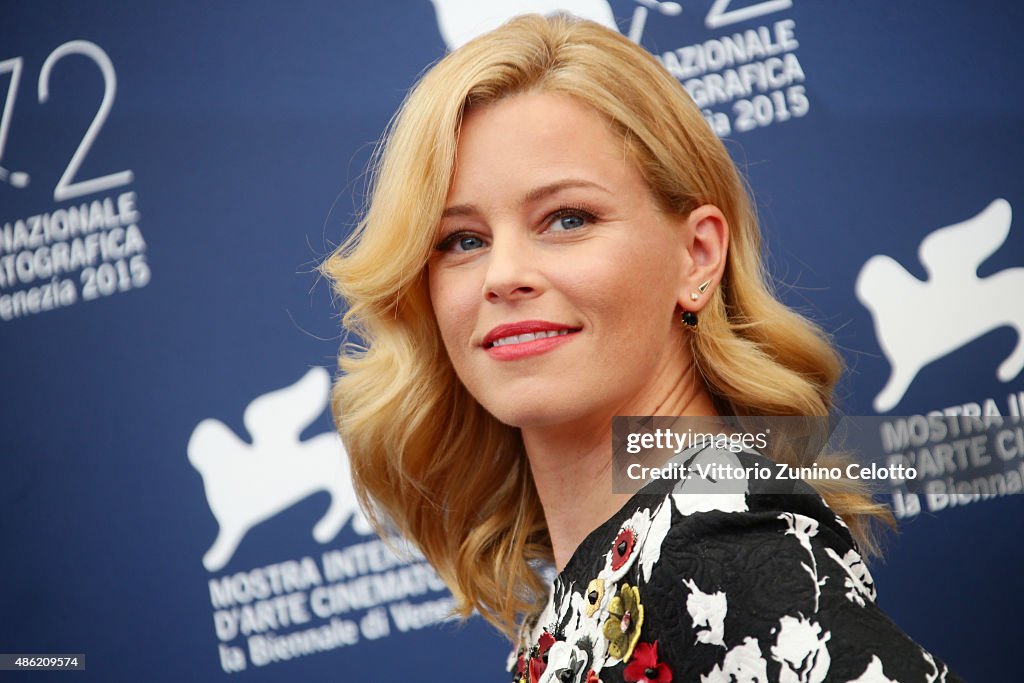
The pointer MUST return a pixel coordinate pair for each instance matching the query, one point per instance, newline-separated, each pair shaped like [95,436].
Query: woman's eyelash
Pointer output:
[569,210]
[446,242]
[573,210]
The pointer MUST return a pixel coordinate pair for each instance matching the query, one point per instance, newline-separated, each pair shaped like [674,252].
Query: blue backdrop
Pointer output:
[170,174]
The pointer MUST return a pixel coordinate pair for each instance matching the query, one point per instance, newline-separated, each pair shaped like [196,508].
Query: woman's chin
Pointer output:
[534,415]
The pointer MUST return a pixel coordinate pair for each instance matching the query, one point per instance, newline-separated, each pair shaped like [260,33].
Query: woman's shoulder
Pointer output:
[717,580]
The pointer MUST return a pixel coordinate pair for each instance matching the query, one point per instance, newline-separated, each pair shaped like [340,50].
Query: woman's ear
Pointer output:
[707,244]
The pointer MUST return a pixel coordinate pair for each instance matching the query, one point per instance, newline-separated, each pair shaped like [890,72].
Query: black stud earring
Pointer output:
[688,318]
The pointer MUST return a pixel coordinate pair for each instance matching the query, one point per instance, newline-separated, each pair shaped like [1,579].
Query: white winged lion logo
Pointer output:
[249,483]
[918,322]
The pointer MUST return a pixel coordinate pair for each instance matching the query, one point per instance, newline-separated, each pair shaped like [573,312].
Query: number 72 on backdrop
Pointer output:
[67,186]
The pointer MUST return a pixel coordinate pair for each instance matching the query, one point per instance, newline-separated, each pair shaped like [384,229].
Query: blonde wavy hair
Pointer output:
[427,459]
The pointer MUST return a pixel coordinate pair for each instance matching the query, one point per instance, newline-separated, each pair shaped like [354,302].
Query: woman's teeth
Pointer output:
[531,336]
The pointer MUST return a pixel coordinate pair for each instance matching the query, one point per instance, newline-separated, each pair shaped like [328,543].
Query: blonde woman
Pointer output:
[556,237]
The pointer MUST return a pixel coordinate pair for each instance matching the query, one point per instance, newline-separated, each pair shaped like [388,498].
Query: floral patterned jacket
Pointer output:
[737,585]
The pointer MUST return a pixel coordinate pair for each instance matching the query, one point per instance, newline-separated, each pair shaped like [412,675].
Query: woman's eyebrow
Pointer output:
[547,190]
[531,196]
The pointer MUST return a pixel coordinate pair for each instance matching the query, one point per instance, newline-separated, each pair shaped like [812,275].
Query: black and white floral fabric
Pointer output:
[738,582]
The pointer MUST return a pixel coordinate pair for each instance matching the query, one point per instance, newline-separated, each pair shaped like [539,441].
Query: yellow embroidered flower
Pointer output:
[625,617]
[594,596]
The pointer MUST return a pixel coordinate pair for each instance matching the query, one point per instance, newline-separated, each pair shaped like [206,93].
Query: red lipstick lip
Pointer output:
[524,327]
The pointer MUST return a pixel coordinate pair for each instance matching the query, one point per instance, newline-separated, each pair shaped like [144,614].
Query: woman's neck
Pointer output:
[571,465]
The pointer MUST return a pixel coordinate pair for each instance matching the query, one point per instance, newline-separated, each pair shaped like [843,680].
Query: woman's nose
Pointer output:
[512,268]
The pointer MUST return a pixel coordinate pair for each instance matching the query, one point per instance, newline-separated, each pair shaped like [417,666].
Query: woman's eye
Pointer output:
[460,242]
[469,243]
[567,220]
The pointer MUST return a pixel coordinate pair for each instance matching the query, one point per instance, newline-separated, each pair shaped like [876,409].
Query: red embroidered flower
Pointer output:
[544,643]
[592,677]
[537,667]
[645,665]
[622,548]
[538,662]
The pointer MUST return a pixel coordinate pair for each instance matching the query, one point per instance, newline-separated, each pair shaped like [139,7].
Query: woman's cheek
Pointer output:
[455,306]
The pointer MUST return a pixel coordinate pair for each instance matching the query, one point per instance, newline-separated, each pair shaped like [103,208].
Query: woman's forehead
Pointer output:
[534,139]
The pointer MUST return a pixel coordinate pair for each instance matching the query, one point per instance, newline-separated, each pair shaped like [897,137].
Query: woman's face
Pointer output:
[556,276]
